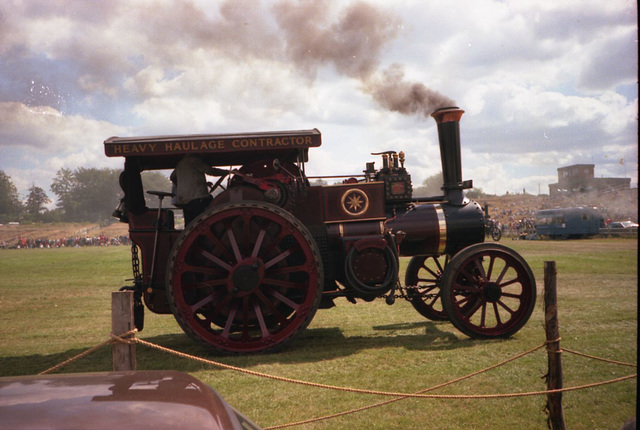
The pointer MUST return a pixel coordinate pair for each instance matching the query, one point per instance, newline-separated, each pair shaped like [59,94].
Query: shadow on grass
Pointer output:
[312,345]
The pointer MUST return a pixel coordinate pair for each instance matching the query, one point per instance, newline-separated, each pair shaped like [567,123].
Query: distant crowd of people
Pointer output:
[66,242]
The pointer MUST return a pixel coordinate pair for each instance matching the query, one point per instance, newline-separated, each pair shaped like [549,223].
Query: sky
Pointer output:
[544,83]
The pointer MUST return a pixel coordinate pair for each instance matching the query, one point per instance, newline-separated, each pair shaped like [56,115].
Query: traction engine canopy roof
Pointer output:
[164,152]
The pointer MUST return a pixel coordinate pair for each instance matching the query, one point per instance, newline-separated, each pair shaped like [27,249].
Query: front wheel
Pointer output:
[488,291]
[423,277]
[244,278]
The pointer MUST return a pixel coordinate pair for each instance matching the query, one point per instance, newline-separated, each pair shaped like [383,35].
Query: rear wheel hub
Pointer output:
[246,277]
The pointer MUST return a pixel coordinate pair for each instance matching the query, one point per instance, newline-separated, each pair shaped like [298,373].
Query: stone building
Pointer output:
[581,178]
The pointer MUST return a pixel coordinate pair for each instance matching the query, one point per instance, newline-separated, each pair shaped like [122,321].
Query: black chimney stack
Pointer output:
[448,120]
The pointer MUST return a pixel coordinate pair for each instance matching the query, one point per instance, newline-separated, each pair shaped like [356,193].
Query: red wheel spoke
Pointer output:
[276,241]
[289,269]
[507,308]
[504,272]
[211,283]
[293,305]
[512,295]
[427,288]
[217,261]
[433,300]
[483,315]
[495,310]
[478,263]
[282,283]
[469,308]
[216,242]
[219,305]
[434,274]
[429,280]
[209,271]
[201,303]
[258,244]
[234,245]
[263,325]
[470,288]
[492,260]
[274,311]
[246,231]
[245,318]
[511,282]
[230,318]
[277,259]
[471,277]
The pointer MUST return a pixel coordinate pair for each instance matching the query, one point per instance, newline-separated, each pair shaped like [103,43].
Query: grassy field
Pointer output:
[55,303]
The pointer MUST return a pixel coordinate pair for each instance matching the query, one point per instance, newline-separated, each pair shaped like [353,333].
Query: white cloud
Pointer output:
[540,81]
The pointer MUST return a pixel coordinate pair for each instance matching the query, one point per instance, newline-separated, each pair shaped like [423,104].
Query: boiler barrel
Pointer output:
[437,229]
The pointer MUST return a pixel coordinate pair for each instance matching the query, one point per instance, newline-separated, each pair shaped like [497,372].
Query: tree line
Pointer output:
[90,195]
[82,195]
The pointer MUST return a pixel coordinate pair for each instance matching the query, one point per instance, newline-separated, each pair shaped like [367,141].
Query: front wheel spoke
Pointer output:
[426,289]
[491,266]
[480,267]
[428,280]
[473,289]
[511,295]
[505,307]
[434,300]
[503,273]
[483,315]
[432,272]
[472,277]
[511,282]
[495,310]
[469,308]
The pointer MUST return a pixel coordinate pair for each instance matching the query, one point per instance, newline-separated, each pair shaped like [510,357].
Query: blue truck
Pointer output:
[565,223]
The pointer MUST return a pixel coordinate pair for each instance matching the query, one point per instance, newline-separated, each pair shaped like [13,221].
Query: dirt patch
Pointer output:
[11,233]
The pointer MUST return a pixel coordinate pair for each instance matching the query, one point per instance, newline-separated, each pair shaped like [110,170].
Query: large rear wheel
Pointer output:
[488,291]
[244,278]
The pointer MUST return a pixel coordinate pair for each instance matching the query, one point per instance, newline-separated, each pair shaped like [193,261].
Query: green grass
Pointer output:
[56,303]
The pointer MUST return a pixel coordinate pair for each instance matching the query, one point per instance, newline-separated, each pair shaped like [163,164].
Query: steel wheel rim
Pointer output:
[245,278]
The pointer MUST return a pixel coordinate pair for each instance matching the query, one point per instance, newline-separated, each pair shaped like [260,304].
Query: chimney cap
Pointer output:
[447,114]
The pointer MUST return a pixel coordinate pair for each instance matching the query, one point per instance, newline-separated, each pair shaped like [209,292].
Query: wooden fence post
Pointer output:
[123,355]
[554,356]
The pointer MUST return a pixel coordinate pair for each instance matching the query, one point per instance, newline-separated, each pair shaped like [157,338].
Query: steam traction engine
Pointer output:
[251,271]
